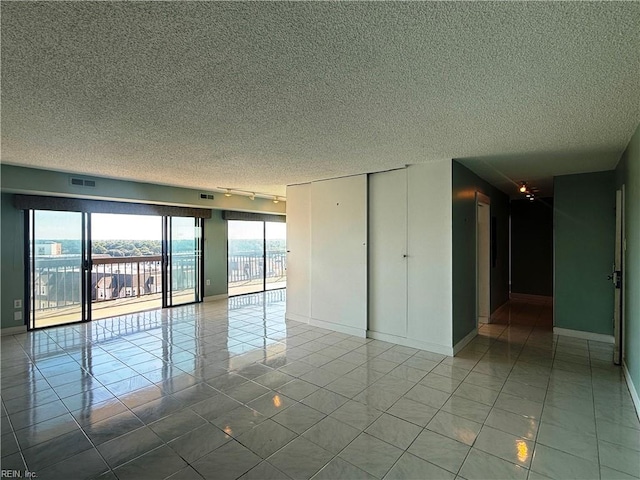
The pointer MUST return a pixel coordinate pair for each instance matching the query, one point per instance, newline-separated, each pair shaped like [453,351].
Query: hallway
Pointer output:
[229,389]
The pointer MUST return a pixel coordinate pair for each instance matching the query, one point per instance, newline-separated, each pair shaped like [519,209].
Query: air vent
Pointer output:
[206,196]
[81,182]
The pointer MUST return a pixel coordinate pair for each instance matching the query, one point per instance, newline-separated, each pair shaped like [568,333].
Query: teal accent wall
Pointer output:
[46,182]
[464,185]
[532,247]
[43,182]
[12,279]
[215,254]
[584,218]
[628,173]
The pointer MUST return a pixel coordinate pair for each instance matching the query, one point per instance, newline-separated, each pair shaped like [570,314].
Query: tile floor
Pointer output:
[227,390]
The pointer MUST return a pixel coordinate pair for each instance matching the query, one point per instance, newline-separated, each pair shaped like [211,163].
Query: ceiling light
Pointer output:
[227,193]
[276,200]
[252,196]
[523,187]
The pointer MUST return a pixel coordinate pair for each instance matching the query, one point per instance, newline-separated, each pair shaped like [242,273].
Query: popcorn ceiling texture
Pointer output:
[258,95]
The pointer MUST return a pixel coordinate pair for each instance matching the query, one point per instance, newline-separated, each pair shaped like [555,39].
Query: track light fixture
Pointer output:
[523,187]
[230,192]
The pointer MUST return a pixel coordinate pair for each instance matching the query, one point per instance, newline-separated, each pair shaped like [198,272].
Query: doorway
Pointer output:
[618,280]
[86,266]
[483,258]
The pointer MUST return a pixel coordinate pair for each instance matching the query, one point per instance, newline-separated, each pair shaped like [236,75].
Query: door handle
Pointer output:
[616,276]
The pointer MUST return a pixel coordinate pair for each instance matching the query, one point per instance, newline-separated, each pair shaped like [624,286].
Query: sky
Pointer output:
[52,225]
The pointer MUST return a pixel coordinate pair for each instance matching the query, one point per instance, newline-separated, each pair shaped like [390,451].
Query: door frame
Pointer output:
[483,258]
[619,271]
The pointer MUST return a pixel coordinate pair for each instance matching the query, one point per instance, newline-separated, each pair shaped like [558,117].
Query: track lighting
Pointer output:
[276,200]
[523,187]
[227,193]
[252,196]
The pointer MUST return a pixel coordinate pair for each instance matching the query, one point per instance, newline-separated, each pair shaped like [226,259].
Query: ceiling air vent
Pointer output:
[81,182]
[206,196]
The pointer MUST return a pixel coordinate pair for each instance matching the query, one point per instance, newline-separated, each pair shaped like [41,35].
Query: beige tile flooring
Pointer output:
[230,390]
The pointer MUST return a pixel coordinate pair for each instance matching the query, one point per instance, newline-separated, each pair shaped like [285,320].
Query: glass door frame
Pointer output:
[167,261]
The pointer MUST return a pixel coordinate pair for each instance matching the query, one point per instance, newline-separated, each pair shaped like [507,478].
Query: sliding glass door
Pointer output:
[126,263]
[256,256]
[184,246]
[275,234]
[86,266]
[245,257]
[57,273]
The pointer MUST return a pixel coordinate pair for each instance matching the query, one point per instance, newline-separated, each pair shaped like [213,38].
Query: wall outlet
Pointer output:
[208,282]
[17,303]
[17,316]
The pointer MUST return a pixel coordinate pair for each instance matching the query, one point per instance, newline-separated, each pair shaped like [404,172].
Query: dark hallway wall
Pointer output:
[532,246]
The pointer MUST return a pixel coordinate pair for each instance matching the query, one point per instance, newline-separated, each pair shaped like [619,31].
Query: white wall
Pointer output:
[430,273]
[299,252]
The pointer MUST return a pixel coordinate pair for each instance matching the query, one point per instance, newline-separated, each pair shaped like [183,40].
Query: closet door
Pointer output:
[339,254]
[388,253]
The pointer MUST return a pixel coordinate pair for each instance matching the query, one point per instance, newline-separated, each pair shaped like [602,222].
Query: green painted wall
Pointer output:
[12,280]
[532,247]
[44,182]
[628,173]
[215,254]
[584,218]
[464,185]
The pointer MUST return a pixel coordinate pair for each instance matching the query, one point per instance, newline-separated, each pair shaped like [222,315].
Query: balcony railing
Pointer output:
[244,267]
[57,279]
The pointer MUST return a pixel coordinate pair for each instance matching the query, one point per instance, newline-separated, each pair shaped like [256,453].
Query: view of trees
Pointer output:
[249,246]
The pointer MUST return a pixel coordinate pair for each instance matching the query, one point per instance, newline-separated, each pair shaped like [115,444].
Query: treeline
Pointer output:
[246,246]
[125,248]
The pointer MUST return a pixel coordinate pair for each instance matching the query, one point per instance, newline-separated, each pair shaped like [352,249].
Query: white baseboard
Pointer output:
[410,342]
[13,330]
[214,298]
[632,388]
[296,317]
[463,343]
[530,298]
[596,337]
[336,327]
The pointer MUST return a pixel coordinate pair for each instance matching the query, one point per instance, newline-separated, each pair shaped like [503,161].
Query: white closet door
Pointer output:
[299,252]
[339,254]
[388,252]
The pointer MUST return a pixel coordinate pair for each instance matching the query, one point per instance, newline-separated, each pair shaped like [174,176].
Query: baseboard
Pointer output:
[596,337]
[214,298]
[483,319]
[336,327]
[296,318]
[463,343]
[530,298]
[410,342]
[504,306]
[13,330]
[632,388]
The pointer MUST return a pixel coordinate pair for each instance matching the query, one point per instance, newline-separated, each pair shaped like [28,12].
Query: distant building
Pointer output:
[48,247]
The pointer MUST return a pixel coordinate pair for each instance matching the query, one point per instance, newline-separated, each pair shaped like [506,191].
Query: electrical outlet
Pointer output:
[208,282]
[17,303]
[17,316]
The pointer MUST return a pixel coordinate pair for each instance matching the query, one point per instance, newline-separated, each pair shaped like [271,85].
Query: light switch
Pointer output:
[17,303]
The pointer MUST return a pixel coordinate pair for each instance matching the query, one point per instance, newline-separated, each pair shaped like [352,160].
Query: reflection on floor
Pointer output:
[109,308]
[230,390]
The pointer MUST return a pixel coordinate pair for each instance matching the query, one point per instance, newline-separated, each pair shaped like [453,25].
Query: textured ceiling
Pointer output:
[258,95]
